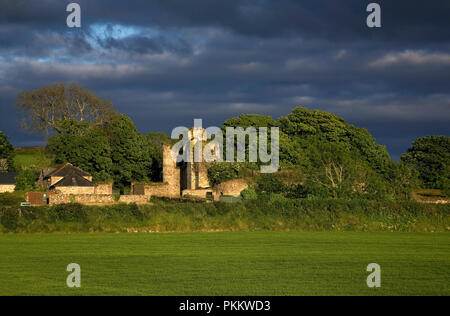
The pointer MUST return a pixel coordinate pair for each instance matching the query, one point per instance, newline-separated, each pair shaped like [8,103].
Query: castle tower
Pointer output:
[171,173]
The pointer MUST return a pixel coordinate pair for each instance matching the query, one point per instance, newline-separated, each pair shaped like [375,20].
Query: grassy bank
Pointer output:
[258,263]
[285,215]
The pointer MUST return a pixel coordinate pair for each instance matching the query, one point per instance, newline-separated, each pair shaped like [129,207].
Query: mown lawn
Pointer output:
[256,263]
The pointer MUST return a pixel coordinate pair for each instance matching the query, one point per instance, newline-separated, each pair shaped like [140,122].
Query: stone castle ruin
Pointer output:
[187,178]
[179,179]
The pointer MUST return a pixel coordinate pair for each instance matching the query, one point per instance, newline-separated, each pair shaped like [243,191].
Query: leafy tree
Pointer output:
[335,173]
[90,152]
[291,153]
[157,140]
[403,179]
[49,107]
[446,188]
[6,154]
[131,152]
[309,127]
[247,120]
[219,172]
[430,156]
[26,180]
[270,183]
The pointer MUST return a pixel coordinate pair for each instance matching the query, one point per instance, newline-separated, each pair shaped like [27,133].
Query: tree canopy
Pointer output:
[6,154]
[430,156]
[51,106]
[115,151]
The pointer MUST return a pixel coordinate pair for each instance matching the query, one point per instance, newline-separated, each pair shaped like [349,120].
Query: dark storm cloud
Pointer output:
[165,63]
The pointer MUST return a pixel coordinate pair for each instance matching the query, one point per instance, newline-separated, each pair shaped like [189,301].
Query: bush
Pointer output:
[249,194]
[26,180]
[220,172]
[72,212]
[11,199]
[270,183]
[446,188]
[10,219]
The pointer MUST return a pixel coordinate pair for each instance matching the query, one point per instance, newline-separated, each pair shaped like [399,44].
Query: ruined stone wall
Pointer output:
[162,190]
[106,188]
[75,190]
[171,173]
[201,170]
[231,188]
[200,193]
[81,198]
[7,188]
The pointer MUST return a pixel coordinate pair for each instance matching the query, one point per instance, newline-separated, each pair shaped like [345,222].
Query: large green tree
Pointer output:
[157,141]
[90,151]
[291,153]
[6,154]
[430,156]
[309,127]
[132,153]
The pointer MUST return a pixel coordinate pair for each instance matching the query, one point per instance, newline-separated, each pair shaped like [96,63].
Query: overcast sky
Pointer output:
[166,62]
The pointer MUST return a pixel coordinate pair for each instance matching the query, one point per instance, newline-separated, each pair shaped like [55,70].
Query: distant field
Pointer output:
[258,263]
[36,157]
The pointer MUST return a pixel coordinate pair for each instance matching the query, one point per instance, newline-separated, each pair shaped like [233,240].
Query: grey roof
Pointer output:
[66,170]
[73,179]
[47,171]
[8,178]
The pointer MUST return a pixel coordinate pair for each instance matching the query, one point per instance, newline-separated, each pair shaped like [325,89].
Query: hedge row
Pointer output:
[253,215]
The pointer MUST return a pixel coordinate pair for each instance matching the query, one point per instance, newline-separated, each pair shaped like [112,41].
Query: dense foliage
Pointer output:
[25,180]
[272,213]
[430,156]
[89,151]
[6,154]
[114,151]
[338,160]
[132,153]
[219,172]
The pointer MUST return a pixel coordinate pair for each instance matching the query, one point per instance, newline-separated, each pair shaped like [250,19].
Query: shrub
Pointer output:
[26,180]
[72,212]
[10,219]
[270,183]
[220,172]
[249,194]
[11,199]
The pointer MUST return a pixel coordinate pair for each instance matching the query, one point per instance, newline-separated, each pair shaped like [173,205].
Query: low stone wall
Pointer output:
[163,190]
[104,188]
[7,188]
[200,193]
[76,190]
[81,198]
[134,199]
[156,189]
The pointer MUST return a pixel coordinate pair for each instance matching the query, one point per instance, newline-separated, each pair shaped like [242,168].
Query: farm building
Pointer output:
[69,179]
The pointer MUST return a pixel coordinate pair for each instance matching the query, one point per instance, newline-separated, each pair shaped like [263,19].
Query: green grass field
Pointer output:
[256,263]
[32,157]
